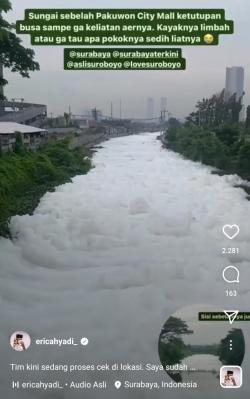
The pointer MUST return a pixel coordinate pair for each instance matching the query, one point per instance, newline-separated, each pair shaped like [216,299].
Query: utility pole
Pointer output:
[120,109]
[95,114]
[1,85]
[1,77]
[1,89]
[111,110]
[163,114]
[69,115]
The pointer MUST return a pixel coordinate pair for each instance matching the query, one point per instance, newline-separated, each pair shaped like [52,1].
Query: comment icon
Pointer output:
[231,275]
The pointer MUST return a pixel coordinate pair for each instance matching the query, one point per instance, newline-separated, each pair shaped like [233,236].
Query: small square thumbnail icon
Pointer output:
[231,377]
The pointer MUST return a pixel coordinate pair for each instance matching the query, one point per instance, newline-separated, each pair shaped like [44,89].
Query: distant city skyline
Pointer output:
[205,74]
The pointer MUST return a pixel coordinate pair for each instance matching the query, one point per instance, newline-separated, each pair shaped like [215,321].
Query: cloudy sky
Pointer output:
[84,89]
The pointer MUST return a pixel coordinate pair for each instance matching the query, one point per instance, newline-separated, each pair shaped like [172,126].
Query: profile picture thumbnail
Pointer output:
[231,377]
[20,341]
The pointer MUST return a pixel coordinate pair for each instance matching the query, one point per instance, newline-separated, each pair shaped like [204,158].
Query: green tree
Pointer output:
[13,55]
[173,123]
[216,110]
[236,355]
[175,326]
[244,159]
[171,347]
[248,118]
[228,134]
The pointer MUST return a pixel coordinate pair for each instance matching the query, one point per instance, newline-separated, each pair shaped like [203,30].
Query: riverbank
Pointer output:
[226,149]
[26,176]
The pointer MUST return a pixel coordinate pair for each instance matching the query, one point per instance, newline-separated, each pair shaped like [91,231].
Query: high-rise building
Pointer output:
[163,103]
[235,85]
[150,108]
[234,82]
[163,108]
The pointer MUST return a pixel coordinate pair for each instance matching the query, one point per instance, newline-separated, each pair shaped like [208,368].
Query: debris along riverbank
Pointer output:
[26,176]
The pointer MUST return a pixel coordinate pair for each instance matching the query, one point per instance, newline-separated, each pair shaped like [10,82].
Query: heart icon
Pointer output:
[231,231]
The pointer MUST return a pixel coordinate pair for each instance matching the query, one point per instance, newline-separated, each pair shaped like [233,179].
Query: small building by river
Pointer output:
[32,137]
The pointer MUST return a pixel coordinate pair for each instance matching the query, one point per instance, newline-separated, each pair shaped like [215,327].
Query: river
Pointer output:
[112,255]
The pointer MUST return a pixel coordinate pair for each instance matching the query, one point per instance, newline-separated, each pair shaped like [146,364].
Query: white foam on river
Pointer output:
[113,254]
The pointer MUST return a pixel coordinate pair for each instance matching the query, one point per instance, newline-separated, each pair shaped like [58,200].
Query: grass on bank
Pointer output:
[26,176]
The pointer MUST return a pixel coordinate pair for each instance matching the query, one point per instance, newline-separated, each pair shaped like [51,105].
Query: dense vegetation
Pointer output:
[214,136]
[12,53]
[26,176]
[172,348]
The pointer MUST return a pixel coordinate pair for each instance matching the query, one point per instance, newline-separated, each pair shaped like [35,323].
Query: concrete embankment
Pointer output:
[88,137]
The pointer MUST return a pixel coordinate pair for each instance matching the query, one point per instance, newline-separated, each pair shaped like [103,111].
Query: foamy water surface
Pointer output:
[113,254]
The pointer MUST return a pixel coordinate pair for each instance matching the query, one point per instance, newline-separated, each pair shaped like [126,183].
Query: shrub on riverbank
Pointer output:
[26,176]
[226,147]
[213,134]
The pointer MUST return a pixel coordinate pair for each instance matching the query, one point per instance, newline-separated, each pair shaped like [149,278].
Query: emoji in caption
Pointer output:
[118,384]
[84,341]
[208,38]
